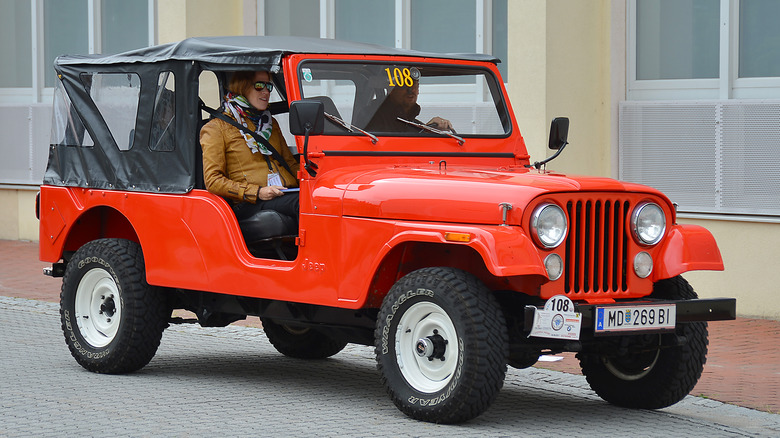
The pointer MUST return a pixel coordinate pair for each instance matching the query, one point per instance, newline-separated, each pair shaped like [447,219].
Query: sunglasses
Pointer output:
[260,85]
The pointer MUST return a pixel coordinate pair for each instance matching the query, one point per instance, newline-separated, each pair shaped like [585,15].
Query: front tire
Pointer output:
[112,319]
[441,345]
[301,342]
[653,377]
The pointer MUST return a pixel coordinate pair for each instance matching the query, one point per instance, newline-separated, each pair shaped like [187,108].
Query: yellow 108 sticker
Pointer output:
[399,77]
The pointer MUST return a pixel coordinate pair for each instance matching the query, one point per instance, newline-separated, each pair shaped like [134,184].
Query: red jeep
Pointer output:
[448,250]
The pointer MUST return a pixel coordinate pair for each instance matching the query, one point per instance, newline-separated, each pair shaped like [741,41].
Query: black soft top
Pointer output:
[86,154]
[265,52]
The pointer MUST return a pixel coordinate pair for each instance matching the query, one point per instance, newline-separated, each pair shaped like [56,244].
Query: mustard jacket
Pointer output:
[231,170]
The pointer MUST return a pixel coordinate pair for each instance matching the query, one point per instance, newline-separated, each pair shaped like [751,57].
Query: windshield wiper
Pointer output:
[350,127]
[434,130]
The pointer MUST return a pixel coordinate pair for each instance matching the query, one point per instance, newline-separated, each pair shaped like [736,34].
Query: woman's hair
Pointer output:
[241,81]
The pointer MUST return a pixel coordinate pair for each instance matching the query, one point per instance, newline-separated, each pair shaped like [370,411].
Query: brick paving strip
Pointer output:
[743,364]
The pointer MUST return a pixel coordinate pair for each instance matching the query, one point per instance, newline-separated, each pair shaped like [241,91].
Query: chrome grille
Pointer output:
[596,246]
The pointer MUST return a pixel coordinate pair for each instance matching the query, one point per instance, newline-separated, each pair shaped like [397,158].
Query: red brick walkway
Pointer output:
[743,365]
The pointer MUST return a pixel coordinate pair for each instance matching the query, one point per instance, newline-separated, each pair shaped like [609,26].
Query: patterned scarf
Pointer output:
[241,110]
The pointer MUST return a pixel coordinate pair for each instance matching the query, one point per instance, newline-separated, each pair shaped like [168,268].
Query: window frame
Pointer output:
[728,85]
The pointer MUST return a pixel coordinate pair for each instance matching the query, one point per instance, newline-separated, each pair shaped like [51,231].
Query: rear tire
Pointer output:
[657,377]
[301,342]
[111,318]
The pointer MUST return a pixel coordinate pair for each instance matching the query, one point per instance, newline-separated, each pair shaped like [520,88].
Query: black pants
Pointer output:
[286,204]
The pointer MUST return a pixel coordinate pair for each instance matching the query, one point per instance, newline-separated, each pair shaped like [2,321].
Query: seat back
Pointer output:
[266,224]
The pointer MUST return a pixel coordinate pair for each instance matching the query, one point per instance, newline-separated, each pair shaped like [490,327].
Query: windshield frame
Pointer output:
[494,90]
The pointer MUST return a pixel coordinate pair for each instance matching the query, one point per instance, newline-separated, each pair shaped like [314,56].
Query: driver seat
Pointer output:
[270,234]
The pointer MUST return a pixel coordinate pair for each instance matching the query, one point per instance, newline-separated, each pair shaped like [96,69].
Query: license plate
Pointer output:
[635,318]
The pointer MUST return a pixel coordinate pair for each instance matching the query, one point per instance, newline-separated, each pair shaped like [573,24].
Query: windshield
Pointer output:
[396,99]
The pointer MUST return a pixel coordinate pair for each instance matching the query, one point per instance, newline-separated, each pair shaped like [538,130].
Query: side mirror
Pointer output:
[559,132]
[307,117]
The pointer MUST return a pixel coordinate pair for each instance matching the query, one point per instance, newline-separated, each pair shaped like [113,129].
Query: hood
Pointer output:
[463,195]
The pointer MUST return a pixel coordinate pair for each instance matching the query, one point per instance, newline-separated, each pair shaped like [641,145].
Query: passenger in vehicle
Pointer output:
[238,167]
[402,102]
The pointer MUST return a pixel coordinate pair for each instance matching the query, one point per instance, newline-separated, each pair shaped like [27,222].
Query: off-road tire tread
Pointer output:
[145,311]
[675,374]
[312,345]
[480,384]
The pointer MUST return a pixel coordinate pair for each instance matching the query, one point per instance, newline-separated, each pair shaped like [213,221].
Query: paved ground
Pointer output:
[230,382]
[743,368]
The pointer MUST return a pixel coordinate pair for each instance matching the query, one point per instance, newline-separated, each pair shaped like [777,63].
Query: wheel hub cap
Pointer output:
[432,347]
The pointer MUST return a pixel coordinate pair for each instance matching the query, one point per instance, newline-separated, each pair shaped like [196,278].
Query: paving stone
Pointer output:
[231,382]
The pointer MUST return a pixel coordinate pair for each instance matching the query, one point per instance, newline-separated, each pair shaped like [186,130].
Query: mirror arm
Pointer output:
[310,166]
[538,165]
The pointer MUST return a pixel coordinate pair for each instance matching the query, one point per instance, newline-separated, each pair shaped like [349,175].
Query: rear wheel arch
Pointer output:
[97,223]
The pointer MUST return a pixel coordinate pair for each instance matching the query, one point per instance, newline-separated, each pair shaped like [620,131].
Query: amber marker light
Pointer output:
[457,237]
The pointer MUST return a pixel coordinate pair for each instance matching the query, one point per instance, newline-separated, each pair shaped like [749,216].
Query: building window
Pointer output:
[48,28]
[65,31]
[475,26]
[677,39]
[703,49]
[703,100]
[124,25]
[759,39]
[299,18]
[16,35]
[351,23]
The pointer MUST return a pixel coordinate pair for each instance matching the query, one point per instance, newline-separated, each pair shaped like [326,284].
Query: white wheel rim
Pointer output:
[420,321]
[98,307]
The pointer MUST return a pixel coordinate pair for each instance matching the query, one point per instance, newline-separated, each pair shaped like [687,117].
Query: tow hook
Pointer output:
[56,270]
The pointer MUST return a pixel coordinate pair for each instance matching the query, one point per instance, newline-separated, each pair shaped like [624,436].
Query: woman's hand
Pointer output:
[269,192]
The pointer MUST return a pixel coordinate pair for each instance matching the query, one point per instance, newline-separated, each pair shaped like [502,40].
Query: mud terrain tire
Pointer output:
[112,319]
[301,342]
[656,378]
[441,345]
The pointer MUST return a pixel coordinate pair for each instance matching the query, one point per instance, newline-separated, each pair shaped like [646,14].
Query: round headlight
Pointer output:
[648,223]
[548,225]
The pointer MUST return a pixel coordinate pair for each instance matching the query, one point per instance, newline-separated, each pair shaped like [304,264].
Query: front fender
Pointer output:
[687,248]
[506,251]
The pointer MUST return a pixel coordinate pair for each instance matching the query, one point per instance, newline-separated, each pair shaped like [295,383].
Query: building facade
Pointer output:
[681,95]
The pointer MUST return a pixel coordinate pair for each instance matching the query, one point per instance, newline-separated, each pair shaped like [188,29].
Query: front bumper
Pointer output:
[708,309]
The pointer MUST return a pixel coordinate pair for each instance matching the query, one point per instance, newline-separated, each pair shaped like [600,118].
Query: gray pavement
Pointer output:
[231,382]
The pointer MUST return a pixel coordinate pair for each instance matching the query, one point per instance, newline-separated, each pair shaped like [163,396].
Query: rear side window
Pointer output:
[116,97]
[67,129]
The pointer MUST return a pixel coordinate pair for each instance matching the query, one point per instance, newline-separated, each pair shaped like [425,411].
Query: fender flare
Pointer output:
[686,248]
[506,251]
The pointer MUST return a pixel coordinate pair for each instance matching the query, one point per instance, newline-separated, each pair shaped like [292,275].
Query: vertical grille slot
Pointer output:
[596,247]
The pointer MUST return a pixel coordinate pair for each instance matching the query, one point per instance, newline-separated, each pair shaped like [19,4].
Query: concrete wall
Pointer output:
[17,214]
[180,19]
[559,66]
[749,253]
